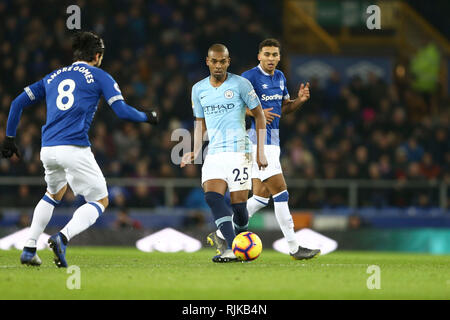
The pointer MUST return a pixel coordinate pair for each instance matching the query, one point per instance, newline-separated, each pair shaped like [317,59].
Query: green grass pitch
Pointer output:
[126,273]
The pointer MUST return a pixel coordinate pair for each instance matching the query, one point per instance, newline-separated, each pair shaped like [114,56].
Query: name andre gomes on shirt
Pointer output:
[85,71]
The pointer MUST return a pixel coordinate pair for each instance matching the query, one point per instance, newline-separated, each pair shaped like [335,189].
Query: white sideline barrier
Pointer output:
[168,240]
[309,239]
[17,240]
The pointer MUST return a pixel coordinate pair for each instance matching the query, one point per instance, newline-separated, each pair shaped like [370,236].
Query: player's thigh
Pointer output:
[259,189]
[273,168]
[55,174]
[214,177]
[275,184]
[84,175]
[215,185]
[238,167]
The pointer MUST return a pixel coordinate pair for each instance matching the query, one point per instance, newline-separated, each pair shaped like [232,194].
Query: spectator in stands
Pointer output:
[124,221]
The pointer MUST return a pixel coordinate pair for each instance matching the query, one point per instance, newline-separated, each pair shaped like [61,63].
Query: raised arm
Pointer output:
[113,96]
[126,112]
[289,106]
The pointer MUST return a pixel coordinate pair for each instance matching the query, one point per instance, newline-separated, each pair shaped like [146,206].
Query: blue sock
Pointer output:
[222,215]
[240,217]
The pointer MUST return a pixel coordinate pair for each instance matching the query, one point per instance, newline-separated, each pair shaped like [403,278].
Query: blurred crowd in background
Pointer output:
[156,52]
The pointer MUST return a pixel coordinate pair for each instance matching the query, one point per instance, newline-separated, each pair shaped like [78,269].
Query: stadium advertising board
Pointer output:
[305,68]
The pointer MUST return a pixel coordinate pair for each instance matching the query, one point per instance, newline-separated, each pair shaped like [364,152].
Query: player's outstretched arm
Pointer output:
[113,96]
[199,133]
[289,106]
[260,124]
[25,99]
[126,112]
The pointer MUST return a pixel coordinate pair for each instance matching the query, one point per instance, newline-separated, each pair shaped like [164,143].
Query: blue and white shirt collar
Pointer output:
[80,61]
[264,73]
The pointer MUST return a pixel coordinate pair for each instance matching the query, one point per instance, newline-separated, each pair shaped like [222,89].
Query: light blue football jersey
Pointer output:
[72,94]
[223,109]
[271,90]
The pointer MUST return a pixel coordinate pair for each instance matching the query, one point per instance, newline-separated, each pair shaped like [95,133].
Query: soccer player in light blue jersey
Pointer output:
[219,103]
[72,94]
[271,87]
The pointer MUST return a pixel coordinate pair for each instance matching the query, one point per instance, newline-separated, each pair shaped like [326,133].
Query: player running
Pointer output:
[270,86]
[72,94]
[219,103]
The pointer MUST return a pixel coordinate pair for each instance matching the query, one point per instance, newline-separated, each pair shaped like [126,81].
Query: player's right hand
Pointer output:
[261,160]
[270,115]
[187,158]
[9,148]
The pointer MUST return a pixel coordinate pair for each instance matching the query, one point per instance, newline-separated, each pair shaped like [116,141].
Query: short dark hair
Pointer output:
[85,45]
[218,47]
[271,42]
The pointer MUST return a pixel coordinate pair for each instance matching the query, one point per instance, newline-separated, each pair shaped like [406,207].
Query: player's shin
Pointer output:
[41,217]
[284,218]
[240,217]
[222,215]
[84,217]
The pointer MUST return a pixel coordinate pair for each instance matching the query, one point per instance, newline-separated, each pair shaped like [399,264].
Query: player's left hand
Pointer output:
[187,158]
[261,160]
[9,148]
[303,92]
[152,115]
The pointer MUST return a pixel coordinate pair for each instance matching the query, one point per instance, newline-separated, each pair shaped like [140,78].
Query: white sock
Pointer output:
[219,234]
[255,204]
[41,217]
[285,221]
[84,217]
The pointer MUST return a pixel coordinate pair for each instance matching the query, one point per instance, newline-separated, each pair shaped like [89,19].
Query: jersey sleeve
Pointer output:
[110,88]
[36,91]
[31,95]
[196,106]
[248,94]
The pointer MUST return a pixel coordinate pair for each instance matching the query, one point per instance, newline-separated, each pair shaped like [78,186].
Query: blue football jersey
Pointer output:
[72,94]
[224,111]
[271,90]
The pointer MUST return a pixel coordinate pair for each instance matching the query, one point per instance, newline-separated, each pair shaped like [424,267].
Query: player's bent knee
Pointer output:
[104,202]
[239,196]
[60,194]
[282,196]
[259,189]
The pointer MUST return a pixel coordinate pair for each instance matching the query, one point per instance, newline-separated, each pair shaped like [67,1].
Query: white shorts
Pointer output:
[232,167]
[273,168]
[76,166]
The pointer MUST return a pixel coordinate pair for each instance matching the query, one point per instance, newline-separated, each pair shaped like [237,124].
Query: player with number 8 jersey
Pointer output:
[72,94]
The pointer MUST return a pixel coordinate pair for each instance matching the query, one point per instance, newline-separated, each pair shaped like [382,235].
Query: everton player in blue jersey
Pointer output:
[72,94]
[219,103]
[271,87]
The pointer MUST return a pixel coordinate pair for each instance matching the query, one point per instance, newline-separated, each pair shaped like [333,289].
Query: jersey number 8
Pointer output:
[65,94]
